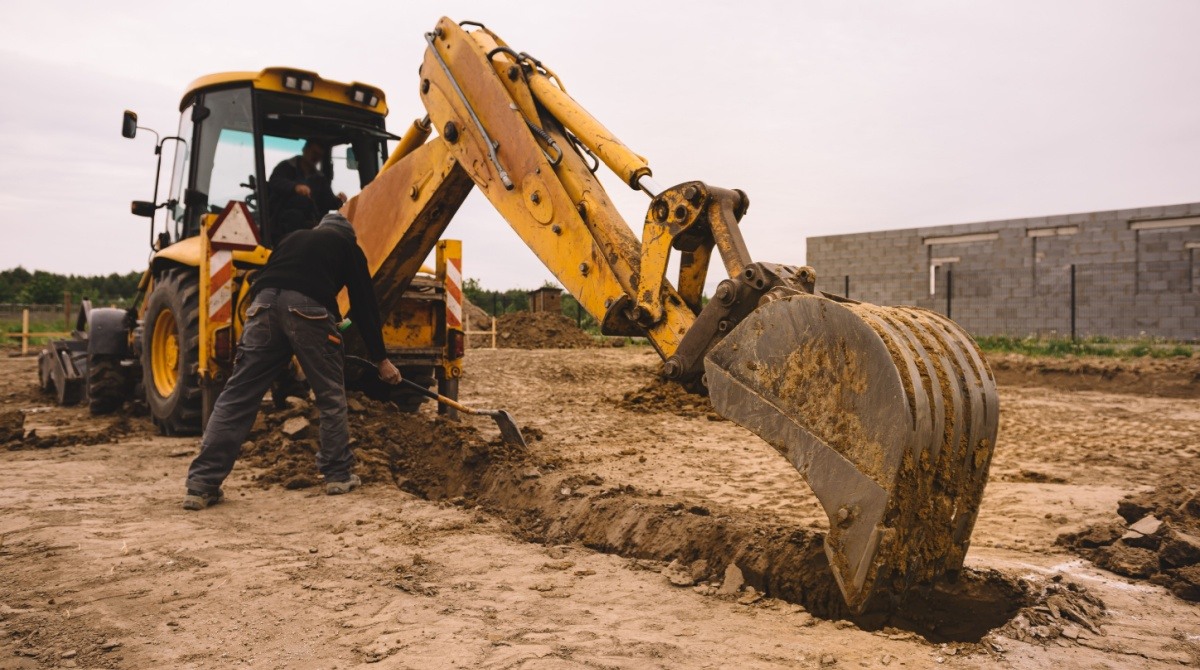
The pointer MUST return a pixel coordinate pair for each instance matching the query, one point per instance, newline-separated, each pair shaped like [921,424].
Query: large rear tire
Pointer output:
[108,385]
[170,353]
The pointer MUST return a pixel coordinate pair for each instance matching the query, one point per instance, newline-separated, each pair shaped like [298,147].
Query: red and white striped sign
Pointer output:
[220,282]
[454,293]
[234,228]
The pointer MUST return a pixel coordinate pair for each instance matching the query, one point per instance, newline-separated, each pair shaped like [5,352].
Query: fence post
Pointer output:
[847,292]
[1073,302]
[949,292]
[493,332]
[67,310]
[25,332]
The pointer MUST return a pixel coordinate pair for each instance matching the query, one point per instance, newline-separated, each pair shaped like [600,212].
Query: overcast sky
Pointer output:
[833,116]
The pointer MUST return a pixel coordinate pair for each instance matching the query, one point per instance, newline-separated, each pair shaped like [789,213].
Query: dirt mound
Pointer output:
[415,451]
[1159,539]
[1055,609]
[475,316]
[540,330]
[664,396]
[129,421]
[1164,377]
[12,426]
[476,319]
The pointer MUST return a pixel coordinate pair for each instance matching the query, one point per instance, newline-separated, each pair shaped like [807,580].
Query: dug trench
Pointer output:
[713,548]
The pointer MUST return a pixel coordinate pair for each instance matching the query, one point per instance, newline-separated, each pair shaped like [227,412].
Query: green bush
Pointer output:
[1092,346]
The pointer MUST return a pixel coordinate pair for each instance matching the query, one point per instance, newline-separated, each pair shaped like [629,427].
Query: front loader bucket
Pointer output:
[889,413]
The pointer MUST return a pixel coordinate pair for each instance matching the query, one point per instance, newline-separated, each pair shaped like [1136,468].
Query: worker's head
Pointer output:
[335,221]
[313,153]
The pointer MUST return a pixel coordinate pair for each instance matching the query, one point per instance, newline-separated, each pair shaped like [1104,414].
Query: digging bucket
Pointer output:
[889,413]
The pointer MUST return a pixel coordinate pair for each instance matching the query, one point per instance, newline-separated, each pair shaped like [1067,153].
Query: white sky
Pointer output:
[833,116]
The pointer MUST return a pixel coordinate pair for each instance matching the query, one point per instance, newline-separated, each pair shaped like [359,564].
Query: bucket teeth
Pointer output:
[889,413]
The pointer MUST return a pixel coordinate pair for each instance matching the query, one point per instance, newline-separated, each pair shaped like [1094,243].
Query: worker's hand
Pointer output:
[388,372]
[304,190]
[342,197]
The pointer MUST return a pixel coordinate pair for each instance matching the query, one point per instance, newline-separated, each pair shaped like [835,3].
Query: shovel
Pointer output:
[371,384]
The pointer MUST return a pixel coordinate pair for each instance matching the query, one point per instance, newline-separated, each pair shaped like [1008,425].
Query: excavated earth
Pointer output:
[633,532]
[539,330]
[1157,538]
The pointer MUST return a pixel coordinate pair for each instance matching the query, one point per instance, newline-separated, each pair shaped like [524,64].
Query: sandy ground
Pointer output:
[99,567]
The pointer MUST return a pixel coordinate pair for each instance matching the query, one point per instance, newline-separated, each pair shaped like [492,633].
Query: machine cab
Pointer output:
[238,130]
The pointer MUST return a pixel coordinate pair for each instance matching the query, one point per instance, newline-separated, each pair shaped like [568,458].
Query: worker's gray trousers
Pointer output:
[279,323]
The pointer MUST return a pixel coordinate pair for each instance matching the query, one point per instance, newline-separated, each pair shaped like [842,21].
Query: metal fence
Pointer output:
[1119,300]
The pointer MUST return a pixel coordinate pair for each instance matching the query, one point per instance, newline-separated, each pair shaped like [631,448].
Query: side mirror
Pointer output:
[351,159]
[142,208]
[129,125]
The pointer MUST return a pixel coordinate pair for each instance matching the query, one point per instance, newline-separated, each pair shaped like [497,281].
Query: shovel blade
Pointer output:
[889,413]
[508,428]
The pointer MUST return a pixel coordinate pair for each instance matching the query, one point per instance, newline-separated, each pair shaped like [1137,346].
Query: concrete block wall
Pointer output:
[1137,271]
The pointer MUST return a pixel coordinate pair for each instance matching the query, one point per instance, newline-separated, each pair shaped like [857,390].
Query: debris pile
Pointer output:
[1159,539]
[1057,609]
[540,330]
[417,452]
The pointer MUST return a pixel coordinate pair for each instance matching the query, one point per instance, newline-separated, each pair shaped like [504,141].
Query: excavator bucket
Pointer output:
[889,413]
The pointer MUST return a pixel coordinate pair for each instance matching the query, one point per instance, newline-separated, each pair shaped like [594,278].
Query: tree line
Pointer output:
[39,287]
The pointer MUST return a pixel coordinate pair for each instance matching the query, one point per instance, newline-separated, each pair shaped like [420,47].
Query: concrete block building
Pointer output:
[1125,273]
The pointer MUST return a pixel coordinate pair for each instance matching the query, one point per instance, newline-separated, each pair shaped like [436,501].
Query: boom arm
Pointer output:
[505,125]
[889,413]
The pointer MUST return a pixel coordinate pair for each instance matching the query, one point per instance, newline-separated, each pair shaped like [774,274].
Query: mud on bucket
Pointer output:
[889,413]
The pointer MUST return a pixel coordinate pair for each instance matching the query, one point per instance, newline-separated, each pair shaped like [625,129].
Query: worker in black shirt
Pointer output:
[295,312]
[298,194]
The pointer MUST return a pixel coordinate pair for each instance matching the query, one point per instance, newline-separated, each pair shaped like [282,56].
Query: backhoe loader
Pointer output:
[176,347]
[889,413]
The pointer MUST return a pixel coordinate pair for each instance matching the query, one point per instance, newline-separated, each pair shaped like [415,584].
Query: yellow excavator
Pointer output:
[176,347]
[889,413]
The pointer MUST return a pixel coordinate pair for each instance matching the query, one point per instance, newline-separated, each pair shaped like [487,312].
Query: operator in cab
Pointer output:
[298,194]
[294,311]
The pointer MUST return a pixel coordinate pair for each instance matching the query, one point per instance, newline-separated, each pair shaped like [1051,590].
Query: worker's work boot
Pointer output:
[195,500]
[338,488]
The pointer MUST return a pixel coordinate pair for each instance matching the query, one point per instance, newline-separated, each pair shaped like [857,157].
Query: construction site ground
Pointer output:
[478,557]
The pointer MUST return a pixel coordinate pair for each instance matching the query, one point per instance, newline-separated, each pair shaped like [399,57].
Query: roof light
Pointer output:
[364,96]
[298,82]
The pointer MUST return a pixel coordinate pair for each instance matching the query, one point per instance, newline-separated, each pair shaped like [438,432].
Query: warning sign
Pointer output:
[234,229]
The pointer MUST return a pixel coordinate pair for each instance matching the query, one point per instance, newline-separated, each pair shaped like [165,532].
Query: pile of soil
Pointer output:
[540,330]
[1056,609]
[475,317]
[419,453]
[669,397]
[1163,377]
[12,426]
[13,435]
[1159,539]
